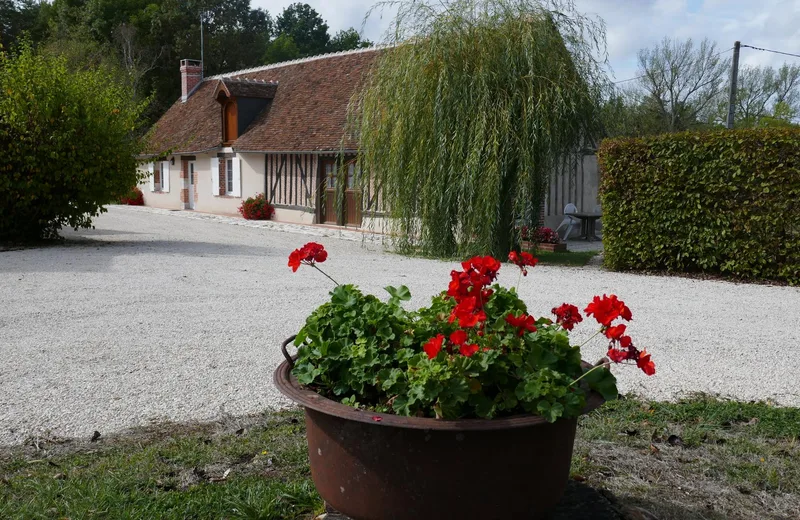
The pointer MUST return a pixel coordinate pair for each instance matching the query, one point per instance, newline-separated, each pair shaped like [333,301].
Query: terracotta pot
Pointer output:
[386,467]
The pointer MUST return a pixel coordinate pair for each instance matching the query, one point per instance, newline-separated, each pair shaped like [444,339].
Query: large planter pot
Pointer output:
[386,467]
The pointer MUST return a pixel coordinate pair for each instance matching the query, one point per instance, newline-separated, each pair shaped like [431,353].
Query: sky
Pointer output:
[634,24]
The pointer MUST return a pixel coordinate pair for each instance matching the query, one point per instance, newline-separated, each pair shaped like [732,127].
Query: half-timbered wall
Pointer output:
[291,180]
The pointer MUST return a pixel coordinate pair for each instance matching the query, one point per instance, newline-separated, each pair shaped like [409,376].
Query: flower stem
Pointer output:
[590,339]
[324,273]
[587,373]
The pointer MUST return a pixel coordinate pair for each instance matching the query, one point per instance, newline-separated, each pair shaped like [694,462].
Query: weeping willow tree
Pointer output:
[467,112]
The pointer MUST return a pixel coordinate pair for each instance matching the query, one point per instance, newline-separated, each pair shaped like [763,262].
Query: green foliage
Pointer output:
[68,144]
[280,49]
[367,353]
[463,120]
[347,39]
[724,202]
[306,28]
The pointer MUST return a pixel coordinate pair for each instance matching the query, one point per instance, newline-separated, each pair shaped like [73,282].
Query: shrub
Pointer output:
[722,201]
[67,142]
[134,198]
[257,208]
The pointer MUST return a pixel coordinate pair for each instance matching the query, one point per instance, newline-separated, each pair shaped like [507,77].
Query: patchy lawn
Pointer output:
[700,458]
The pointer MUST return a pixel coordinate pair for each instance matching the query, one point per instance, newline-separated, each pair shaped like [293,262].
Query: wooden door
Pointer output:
[329,195]
[352,197]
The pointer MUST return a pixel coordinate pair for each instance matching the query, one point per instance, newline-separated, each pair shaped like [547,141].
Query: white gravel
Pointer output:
[172,315]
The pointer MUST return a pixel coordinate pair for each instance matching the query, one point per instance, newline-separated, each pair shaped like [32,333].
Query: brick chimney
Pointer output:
[191,76]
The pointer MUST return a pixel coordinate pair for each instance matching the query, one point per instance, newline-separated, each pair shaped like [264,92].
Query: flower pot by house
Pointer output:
[386,467]
[553,248]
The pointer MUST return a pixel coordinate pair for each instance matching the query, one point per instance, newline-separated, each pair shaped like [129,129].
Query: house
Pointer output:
[277,129]
[280,130]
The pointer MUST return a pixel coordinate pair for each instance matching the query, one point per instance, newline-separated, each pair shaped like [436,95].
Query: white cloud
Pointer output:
[634,24]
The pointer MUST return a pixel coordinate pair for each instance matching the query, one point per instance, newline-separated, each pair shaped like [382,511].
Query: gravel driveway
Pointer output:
[169,315]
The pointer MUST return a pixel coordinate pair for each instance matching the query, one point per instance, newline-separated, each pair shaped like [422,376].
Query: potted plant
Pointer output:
[541,239]
[466,408]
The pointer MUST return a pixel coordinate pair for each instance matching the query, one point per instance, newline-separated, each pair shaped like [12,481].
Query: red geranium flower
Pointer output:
[617,356]
[522,260]
[607,309]
[468,350]
[567,315]
[524,323]
[647,366]
[309,254]
[458,337]
[433,346]
[616,332]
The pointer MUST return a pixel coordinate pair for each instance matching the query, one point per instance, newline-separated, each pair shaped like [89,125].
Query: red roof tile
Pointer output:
[308,112]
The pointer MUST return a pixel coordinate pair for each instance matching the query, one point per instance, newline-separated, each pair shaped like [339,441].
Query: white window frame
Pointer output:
[229,176]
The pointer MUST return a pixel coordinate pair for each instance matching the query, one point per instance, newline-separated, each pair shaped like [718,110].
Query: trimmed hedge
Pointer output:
[724,202]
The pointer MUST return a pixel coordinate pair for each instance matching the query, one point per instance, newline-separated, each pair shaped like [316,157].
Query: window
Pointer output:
[229,176]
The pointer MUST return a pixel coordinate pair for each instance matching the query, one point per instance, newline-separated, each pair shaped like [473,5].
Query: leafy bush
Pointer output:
[723,201]
[257,208]
[134,198]
[67,144]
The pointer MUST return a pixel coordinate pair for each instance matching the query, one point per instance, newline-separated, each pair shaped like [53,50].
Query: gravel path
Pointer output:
[172,315]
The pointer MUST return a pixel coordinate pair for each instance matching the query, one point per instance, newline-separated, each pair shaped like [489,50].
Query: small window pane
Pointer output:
[229,174]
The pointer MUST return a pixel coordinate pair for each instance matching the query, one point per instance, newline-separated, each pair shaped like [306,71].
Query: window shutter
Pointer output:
[215,176]
[237,177]
[152,169]
[165,176]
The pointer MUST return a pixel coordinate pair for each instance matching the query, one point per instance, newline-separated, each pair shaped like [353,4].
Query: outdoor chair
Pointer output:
[568,221]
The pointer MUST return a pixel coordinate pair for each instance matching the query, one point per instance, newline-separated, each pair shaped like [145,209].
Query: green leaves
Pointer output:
[602,381]
[462,129]
[368,353]
[67,142]
[731,195]
[398,294]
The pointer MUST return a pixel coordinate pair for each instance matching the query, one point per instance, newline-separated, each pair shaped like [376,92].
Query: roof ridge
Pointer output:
[297,61]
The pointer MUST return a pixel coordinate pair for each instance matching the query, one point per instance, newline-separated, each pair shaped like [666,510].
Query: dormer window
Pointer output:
[241,101]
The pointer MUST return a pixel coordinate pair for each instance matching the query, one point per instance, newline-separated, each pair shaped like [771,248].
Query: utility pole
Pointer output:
[734,79]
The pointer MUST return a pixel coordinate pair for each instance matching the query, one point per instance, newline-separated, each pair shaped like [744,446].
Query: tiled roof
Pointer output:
[308,111]
[247,88]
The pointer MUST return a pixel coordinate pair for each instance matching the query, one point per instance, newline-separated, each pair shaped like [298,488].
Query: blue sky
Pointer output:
[633,24]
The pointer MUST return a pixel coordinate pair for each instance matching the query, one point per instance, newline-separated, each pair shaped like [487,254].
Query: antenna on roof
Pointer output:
[202,58]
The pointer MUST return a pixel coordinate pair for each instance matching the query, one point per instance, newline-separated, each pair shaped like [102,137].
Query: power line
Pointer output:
[662,72]
[770,50]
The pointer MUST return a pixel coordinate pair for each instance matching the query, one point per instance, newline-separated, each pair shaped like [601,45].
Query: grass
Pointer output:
[699,458]
[568,258]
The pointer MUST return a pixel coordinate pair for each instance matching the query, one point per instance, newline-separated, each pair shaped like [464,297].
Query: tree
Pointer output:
[683,81]
[463,120]
[347,39]
[280,49]
[68,141]
[766,96]
[306,27]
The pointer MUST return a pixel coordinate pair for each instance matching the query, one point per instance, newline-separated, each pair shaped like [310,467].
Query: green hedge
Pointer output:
[723,201]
